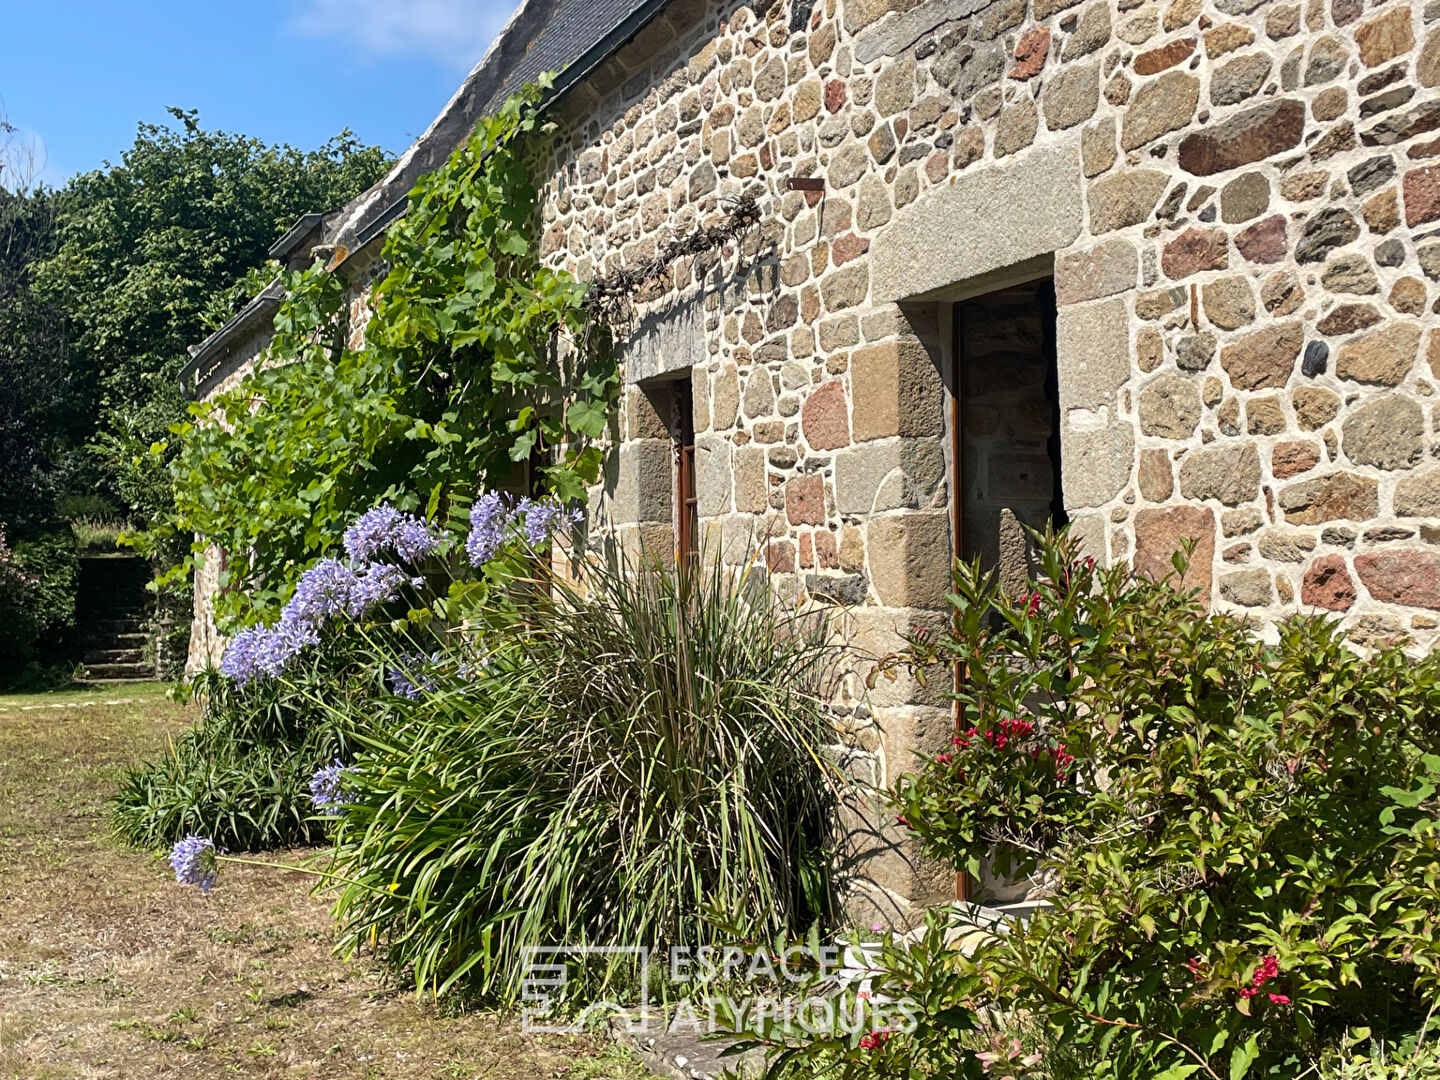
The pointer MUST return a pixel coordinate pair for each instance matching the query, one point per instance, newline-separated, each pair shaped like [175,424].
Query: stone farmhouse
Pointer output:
[1166,270]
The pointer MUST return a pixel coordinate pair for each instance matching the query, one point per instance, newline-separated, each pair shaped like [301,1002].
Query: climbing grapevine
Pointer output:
[475,357]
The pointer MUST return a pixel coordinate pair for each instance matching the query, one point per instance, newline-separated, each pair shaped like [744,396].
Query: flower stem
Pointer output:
[307,870]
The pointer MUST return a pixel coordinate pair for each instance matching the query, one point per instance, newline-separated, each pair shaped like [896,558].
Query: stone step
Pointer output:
[115,656]
[104,631]
[118,671]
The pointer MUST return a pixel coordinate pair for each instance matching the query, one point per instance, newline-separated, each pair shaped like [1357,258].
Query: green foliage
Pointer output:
[37,612]
[476,357]
[97,533]
[240,776]
[40,420]
[143,249]
[1244,853]
[620,758]
[145,246]
[1414,1059]
[102,286]
[17,589]
[882,1009]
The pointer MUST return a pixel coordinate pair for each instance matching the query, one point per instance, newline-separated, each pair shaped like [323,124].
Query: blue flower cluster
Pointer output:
[327,791]
[493,518]
[195,863]
[385,530]
[331,589]
[402,684]
[489,517]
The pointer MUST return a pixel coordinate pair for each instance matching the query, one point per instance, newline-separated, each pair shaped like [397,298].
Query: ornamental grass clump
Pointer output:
[630,752]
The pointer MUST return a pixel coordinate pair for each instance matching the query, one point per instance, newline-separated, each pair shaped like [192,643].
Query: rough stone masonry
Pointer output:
[1238,200]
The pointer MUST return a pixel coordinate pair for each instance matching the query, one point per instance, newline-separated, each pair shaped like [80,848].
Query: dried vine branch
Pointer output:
[610,297]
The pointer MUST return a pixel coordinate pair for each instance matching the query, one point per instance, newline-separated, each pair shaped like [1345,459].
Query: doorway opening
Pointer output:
[1004,426]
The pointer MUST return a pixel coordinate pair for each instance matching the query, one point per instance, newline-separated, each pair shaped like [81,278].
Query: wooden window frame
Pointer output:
[683,442]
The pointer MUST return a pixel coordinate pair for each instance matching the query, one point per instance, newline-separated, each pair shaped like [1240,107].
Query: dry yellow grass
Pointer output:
[110,969]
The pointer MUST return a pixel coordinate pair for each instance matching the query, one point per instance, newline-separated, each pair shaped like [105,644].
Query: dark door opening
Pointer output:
[1005,420]
[1005,436]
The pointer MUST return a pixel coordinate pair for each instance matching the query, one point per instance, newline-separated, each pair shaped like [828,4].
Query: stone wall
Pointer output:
[1233,198]
[1238,202]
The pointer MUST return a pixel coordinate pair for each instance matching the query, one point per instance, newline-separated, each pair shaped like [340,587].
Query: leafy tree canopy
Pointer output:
[143,249]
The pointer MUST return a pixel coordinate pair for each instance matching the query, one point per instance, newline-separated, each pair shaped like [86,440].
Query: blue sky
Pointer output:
[78,75]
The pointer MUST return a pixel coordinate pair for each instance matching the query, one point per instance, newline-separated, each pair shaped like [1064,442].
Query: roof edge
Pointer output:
[292,236]
[262,307]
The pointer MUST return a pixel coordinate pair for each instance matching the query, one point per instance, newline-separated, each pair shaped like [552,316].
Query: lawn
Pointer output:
[110,969]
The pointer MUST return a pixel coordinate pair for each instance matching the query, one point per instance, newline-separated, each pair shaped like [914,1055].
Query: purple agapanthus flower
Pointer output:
[385,530]
[322,592]
[544,517]
[378,583]
[327,790]
[240,662]
[490,516]
[410,678]
[328,589]
[195,862]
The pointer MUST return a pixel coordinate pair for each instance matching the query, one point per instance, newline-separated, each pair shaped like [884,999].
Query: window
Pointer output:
[682,429]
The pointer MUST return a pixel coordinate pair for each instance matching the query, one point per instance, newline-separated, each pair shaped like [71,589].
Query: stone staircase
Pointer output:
[113,608]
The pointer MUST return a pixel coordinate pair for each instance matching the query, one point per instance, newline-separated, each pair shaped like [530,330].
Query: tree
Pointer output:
[38,426]
[144,248]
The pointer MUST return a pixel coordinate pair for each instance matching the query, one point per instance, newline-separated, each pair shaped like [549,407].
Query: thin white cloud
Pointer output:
[454,32]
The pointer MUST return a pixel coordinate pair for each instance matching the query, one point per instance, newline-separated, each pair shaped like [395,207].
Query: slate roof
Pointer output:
[572,29]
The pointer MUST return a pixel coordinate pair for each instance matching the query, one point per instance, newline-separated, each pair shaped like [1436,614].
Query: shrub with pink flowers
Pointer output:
[1240,839]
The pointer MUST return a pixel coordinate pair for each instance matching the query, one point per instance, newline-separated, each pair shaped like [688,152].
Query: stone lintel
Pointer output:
[981,222]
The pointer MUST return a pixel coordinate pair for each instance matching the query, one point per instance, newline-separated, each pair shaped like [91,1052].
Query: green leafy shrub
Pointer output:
[37,608]
[878,1008]
[1241,837]
[620,756]
[239,777]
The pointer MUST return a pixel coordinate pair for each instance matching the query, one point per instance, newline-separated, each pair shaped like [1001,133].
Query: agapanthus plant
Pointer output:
[387,531]
[194,861]
[333,589]
[412,675]
[495,519]
[327,789]
[197,861]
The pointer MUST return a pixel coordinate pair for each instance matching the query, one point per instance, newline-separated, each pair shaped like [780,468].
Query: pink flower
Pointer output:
[900,820]
[1248,993]
[1268,969]
[1196,966]
[1280,999]
[943,759]
[874,1040]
